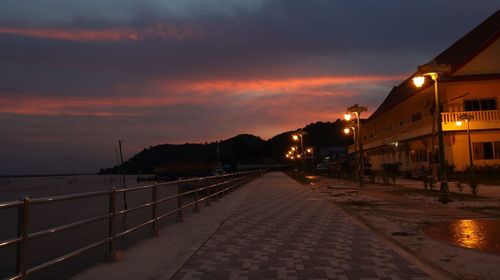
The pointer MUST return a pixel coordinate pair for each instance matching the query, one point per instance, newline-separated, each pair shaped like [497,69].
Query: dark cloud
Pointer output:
[76,76]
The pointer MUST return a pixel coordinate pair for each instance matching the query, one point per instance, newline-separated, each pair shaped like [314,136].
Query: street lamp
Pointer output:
[298,136]
[467,119]
[357,110]
[347,131]
[434,70]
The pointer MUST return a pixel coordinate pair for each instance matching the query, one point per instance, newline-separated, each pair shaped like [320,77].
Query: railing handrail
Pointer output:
[230,181]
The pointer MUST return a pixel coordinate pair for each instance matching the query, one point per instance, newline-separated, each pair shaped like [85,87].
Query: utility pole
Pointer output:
[122,174]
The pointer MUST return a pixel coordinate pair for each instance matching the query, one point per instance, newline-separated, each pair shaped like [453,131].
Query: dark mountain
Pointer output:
[241,149]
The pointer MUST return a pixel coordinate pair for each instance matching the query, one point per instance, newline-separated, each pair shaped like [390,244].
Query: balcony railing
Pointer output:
[452,117]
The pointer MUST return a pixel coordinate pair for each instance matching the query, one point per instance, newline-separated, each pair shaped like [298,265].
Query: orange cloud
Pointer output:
[289,85]
[162,93]
[159,30]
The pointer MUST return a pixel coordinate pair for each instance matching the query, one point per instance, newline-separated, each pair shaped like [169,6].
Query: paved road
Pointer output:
[285,231]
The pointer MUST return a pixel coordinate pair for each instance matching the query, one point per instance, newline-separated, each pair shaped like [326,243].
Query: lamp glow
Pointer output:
[347,130]
[419,81]
[458,123]
[347,117]
[295,137]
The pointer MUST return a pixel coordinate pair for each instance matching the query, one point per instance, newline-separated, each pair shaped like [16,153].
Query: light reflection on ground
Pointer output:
[311,177]
[483,235]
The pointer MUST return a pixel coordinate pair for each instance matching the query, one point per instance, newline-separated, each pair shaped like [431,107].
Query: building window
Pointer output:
[480,104]
[497,150]
[416,117]
[419,155]
[486,150]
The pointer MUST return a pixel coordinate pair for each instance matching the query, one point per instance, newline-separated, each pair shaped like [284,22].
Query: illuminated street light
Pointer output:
[298,136]
[419,81]
[434,70]
[467,119]
[357,110]
[347,130]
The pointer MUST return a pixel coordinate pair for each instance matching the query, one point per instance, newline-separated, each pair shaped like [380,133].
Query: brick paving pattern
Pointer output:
[286,231]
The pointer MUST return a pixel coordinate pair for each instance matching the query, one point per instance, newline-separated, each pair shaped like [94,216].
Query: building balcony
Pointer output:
[481,120]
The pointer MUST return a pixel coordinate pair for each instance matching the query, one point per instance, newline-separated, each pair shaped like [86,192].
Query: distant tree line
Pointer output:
[241,149]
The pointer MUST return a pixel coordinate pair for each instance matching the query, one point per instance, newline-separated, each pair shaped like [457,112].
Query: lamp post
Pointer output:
[467,119]
[434,70]
[347,131]
[298,136]
[357,110]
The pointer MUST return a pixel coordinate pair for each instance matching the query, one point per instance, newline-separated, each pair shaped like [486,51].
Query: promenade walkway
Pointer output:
[273,228]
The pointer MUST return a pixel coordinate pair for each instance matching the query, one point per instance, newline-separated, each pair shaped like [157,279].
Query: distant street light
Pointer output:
[357,110]
[298,136]
[467,119]
[434,70]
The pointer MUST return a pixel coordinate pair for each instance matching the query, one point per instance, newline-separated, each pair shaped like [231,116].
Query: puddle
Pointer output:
[483,235]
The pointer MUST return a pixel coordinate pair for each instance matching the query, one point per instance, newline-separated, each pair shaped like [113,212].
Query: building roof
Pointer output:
[457,55]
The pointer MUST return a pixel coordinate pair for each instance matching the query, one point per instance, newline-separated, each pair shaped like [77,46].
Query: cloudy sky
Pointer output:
[75,76]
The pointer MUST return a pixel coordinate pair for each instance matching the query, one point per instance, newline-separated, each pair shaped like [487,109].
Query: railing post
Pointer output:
[216,197]
[179,201]
[23,224]
[111,227]
[207,201]
[156,231]
[224,186]
[197,187]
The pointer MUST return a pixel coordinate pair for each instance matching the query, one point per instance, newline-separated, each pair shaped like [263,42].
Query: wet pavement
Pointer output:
[483,235]
[286,231]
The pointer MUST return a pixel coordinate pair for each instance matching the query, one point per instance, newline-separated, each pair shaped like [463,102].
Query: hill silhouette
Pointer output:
[241,149]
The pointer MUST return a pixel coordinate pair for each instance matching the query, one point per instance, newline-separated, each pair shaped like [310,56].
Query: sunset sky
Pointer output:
[76,76]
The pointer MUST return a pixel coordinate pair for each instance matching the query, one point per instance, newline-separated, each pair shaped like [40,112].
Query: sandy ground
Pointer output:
[400,214]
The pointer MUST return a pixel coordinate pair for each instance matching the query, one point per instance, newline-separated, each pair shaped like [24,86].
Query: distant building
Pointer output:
[400,130]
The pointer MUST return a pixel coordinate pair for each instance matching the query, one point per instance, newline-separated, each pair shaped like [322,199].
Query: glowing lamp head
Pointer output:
[347,116]
[458,123]
[299,156]
[419,81]
[309,150]
[295,137]
[293,148]
[347,130]
[287,155]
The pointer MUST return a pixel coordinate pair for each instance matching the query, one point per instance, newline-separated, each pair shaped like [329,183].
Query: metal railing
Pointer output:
[492,115]
[217,187]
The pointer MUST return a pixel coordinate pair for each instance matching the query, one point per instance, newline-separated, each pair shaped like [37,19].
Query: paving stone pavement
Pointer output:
[285,231]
